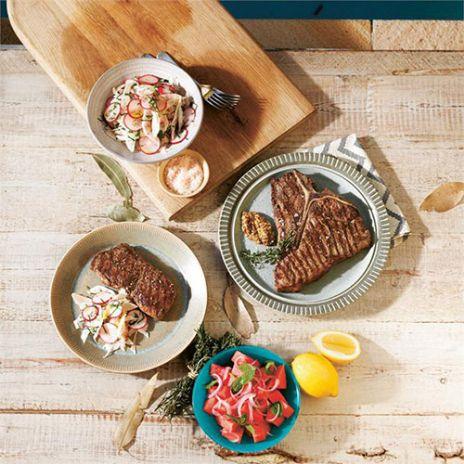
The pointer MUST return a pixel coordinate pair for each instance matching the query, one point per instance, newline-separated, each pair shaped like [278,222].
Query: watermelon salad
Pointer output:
[149,114]
[247,398]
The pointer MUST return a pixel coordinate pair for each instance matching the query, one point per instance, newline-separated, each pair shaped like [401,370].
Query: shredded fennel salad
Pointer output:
[110,318]
[149,113]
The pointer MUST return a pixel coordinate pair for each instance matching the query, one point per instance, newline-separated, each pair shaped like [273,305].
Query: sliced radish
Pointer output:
[114,310]
[108,333]
[134,316]
[146,103]
[180,138]
[149,145]
[89,314]
[136,319]
[132,123]
[134,109]
[140,325]
[108,101]
[101,288]
[149,79]
[112,112]
[102,297]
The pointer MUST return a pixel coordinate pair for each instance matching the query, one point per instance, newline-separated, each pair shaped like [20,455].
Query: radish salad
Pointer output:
[149,113]
[246,398]
[110,318]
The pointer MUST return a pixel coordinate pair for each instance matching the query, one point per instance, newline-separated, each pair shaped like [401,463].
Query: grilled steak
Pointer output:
[326,229]
[123,267]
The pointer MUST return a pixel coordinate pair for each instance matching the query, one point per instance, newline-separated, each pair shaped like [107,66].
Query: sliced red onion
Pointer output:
[241,402]
[274,387]
[219,386]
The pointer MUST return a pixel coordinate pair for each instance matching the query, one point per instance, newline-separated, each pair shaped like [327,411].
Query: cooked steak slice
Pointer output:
[123,267]
[331,230]
[290,194]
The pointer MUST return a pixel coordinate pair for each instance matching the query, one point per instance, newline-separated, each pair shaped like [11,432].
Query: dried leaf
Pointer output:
[115,173]
[444,197]
[133,416]
[272,456]
[122,213]
[237,313]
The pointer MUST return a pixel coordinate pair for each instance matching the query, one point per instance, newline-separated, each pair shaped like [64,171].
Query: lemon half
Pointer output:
[316,375]
[339,347]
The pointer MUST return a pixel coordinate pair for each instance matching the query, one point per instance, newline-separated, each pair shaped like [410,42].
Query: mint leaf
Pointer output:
[248,372]
[276,409]
[211,384]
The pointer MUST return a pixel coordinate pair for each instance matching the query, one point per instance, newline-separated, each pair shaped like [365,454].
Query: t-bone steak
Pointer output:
[325,228]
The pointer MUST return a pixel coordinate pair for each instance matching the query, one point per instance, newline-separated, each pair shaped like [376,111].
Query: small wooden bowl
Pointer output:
[194,154]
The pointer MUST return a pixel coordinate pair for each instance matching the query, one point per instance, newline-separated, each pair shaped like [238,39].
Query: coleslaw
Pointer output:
[110,318]
[149,113]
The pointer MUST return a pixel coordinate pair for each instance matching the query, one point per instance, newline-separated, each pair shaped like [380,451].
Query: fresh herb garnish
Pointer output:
[242,420]
[271,255]
[250,429]
[178,400]
[248,373]
[211,384]
[269,367]
[277,409]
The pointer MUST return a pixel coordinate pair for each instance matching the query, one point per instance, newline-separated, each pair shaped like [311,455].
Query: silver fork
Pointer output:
[213,96]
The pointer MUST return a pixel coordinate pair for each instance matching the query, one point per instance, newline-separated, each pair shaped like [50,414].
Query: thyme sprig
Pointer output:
[178,400]
[271,254]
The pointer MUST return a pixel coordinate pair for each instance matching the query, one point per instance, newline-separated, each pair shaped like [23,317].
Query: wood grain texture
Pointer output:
[401,401]
[346,439]
[83,38]
[302,34]
[418,35]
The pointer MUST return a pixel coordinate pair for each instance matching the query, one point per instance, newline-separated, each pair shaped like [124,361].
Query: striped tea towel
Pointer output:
[349,149]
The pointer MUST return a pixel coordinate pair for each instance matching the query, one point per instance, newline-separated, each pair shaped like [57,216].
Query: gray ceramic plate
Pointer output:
[169,337]
[347,280]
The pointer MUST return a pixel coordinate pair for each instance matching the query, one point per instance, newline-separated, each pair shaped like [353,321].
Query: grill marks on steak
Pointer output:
[327,228]
[123,267]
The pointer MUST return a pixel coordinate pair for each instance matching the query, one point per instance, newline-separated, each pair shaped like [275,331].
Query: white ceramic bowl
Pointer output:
[102,89]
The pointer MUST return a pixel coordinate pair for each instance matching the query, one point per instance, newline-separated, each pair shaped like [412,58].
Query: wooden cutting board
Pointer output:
[75,41]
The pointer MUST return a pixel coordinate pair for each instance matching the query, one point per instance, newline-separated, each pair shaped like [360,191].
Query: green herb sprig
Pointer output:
[248,373]
[178,400]
[271,254]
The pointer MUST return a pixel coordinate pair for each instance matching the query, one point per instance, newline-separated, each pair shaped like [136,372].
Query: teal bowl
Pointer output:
[208,423]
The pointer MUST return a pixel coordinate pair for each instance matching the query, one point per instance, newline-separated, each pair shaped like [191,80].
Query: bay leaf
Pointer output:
[115,173]
[125,212]
[444,197]
[237,312]
[272,456]
[133,417]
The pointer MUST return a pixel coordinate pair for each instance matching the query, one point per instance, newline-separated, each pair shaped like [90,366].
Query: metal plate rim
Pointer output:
[332,163]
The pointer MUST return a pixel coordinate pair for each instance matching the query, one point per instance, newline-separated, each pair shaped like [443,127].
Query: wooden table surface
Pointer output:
[401,401]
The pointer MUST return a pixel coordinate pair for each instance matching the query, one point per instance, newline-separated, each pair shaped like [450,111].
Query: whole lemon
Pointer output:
[316,375]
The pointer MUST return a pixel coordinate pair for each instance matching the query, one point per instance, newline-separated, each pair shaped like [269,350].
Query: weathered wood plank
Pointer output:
[398,360]
[303,34]
[413,273]
[403,395]
[41,439]
[418,35]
